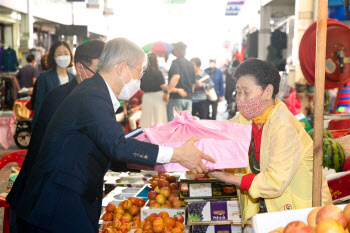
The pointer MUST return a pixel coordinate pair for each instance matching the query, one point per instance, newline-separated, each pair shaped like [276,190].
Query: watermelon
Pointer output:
[333,154]
[326,134]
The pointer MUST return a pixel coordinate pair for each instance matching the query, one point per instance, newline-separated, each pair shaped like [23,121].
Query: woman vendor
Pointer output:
[279,176]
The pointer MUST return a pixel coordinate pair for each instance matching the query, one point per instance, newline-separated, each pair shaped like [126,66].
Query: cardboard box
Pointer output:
[220,229]
[267,222]
[205,188]
[339,186]
[173,212]
[220,212]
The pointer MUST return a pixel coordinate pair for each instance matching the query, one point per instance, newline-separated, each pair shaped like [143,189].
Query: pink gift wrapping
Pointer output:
[228,143]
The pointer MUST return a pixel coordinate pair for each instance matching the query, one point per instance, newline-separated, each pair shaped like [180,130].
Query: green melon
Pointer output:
[333,154]
[326,134]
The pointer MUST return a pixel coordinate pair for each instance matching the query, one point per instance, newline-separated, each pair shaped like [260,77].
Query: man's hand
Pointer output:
[30,91]
[199,83]
[182,92]
[190,157]
[221,99]
[166,97]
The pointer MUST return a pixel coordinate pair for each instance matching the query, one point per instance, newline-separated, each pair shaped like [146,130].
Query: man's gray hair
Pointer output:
[120,50]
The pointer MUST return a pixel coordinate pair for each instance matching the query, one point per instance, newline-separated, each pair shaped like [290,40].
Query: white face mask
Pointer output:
[212,64]
[63,61]
[129,89]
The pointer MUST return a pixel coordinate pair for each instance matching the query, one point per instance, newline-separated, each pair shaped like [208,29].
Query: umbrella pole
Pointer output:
[319,101]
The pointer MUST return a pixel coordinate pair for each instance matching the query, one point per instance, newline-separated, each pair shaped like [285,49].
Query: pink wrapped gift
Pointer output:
[228,143]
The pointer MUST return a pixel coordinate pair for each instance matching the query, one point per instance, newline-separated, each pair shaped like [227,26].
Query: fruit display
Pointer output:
[161,223]
[165,193]
[326,134]
[118,218]
[333,154]
[329,218]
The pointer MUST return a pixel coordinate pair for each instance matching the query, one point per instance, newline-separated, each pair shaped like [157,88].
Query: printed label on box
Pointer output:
[218,211]
[184,187]
[200,190]
[222,228]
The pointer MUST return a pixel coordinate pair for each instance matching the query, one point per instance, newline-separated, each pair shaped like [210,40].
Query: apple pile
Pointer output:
[161,223]
[119,218]
[165,193]
[329,218]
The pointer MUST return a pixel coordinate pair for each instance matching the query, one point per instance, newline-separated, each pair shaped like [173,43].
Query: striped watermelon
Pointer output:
[333,154]
[326,134]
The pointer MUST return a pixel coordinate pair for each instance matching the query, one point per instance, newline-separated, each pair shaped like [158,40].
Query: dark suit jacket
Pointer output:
[63,190]
[49,106]
[46,82]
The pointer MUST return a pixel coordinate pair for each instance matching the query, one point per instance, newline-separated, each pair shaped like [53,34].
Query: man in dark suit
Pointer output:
[86,59]
[64,190]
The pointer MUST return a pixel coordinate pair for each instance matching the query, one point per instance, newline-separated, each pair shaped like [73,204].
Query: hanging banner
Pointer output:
[233,7]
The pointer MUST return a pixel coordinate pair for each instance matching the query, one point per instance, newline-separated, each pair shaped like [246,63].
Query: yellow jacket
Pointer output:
[286,164]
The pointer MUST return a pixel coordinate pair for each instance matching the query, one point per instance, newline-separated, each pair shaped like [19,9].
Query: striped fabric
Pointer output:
[344,100]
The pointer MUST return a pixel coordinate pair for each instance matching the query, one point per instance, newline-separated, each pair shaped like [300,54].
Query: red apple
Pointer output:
[147,226]
[124,219]
[129,216]
[169,221]
[160,199]
[171,179]
[134,210]
[152,195]
[138,230]
[176,203]
[165,191]
[137,218]
[154,184]
[116,224]
[163,214]
[172,196]
[158,220]
[135,223]
[107,216]
[142,223]
[155,205]
[332,212]
[153,216]
[158,227]
[140,202]
[180,218]
[174,188]
[180,225]
[133,200]
[110,207]
[126,204]
[176,230]
[346,211]
[166,205]
[120,210]
[163,183]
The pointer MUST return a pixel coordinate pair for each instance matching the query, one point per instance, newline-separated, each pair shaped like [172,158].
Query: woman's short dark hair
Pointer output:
[152,61]
[88,51]
[50,60]
[264,72]
[196,61]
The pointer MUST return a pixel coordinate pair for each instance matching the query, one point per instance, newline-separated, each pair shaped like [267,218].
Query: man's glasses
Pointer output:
[88,68]
[141,72]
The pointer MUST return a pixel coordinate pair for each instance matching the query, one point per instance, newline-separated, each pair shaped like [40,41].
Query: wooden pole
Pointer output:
[319,100]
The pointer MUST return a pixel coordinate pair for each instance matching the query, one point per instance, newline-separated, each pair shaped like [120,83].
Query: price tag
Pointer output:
[201,190]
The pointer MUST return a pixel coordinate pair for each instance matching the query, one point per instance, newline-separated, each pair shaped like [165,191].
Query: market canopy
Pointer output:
[158,47]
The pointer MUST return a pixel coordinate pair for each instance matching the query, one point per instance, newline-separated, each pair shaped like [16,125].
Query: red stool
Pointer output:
[16,157]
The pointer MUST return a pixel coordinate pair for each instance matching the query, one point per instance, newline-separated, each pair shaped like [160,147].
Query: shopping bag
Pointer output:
[228,143]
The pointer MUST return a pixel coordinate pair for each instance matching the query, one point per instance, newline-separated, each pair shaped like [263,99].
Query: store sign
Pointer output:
[72,30]
[233,7]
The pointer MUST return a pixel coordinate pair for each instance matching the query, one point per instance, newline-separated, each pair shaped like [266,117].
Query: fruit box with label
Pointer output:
[214,212]
[262,223]
[173,212]
[205,188]
[339,186]
[219,229]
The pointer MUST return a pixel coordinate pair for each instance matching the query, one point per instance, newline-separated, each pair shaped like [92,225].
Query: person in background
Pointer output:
[230,87]
[27,75]
[217,77]
[65,188]
[59,58]
[181,82]
[86,59]
[132,110]
[153,85]
[279,173]
[200,101]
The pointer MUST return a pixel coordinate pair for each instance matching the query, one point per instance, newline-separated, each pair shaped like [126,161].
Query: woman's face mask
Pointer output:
[62,61]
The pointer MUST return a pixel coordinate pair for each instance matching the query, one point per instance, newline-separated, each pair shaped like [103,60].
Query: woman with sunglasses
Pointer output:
[279,175]
[59,58]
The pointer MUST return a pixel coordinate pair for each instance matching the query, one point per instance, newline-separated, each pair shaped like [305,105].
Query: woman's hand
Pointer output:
[225,177]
